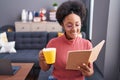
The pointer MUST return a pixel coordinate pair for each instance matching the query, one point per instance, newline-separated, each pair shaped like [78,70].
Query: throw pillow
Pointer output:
[60,34]
[3,38]
[8,47]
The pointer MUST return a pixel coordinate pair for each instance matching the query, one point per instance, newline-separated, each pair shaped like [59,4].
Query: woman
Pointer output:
[70,16]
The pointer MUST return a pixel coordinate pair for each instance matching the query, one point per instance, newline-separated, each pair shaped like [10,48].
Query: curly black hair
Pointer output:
[69,7]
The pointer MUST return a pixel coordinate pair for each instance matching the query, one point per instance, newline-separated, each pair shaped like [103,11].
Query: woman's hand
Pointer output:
[87,70]
[41,56]
[42,62]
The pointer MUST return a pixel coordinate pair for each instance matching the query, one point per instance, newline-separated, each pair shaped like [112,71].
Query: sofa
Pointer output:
[28,45]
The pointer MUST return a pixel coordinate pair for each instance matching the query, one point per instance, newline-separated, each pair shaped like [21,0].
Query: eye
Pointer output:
[77,25]
[69,25]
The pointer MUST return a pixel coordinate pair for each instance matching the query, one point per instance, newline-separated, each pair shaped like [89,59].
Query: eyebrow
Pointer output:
[71,22]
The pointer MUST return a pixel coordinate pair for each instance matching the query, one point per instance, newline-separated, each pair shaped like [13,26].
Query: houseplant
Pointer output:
[55,5]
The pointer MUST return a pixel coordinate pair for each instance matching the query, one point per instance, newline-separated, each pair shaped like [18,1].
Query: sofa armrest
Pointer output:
[83,34]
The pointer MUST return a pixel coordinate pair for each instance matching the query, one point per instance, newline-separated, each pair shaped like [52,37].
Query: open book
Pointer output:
[78,57]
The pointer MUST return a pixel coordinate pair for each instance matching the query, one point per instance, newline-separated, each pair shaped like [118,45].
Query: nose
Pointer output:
[74,29]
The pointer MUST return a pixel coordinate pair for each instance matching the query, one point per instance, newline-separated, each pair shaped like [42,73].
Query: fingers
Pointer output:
[41,56]
[85,69]
[90,65]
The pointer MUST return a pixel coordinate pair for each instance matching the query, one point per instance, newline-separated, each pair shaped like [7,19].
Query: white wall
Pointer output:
[10,10]
[99,32]
[111,66]
[106,25]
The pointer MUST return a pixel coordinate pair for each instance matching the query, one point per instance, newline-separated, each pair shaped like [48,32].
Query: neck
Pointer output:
[68,37]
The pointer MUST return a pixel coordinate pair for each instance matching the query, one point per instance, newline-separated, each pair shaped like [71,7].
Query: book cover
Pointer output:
[78,57]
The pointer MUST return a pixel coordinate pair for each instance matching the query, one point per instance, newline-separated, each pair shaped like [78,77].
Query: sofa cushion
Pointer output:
[3,55]
[10,36]
[24,56]
[52,35]
[30,40]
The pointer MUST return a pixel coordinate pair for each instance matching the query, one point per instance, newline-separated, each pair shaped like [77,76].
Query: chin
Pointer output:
[73,37]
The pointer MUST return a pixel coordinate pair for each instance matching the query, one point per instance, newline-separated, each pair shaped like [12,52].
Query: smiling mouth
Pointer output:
[74,33]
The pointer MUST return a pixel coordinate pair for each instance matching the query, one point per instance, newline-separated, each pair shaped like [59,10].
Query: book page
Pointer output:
[95,51]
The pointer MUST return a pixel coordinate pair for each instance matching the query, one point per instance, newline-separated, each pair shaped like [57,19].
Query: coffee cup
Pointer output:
[50,55]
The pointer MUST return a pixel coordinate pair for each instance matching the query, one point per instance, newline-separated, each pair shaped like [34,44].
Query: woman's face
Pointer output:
[72,26]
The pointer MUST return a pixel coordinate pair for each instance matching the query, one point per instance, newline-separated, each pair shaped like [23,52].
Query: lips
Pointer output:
[74,33]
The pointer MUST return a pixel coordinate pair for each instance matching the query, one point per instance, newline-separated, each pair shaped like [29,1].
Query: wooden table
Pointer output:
[21,74]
